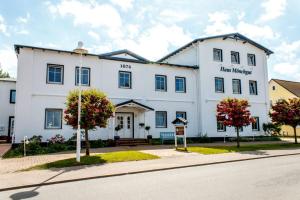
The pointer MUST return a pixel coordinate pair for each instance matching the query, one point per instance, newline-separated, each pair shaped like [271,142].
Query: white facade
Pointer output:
[7,107]
[195,63]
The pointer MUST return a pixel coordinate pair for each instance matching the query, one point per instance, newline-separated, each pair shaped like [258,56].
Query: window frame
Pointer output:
[183,112]
[240,86]
[166,121]
[216,49]
[62,74]
[10,96]
[257,124]
[221,130]
[238,57]
[89,74]
[130,81]
[248,59]
[166,83]
[223,85]
[256,92]
[61,118]
[184,84]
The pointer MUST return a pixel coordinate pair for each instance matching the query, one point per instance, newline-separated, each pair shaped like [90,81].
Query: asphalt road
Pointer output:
[271,178]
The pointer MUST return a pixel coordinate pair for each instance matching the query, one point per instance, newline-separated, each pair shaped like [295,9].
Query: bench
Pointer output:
[167,136]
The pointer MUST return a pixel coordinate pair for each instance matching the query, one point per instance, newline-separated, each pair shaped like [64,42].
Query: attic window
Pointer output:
[273,87]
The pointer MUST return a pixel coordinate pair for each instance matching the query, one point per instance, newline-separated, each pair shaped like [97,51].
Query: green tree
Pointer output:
[96,109]
[4,74]
[287,112]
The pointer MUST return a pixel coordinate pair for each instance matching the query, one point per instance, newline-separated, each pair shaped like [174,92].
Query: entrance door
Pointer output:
[11,126]
[125,122]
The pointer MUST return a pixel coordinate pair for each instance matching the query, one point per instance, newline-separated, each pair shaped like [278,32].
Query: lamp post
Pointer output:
[79,50]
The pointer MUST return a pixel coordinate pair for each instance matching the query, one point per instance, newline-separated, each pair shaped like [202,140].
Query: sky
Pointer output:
[150,28]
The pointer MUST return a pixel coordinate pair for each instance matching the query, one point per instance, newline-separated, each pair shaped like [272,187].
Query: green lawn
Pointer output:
[120,156]
[228,149]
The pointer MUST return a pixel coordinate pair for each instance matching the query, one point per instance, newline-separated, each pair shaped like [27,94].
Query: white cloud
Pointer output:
[155,42]
[24,20]
[174,15]
[88,13]
[3,26]
[94,35]
[220,23]
[125,5]
[23,32]
[8,60]
[272,9]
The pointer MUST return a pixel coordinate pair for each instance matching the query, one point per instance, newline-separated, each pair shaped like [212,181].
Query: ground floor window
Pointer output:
[221,127]
[161,119]
[53,118]
[255,125]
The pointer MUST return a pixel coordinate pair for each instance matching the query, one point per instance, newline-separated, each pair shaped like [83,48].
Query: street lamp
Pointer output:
[79,50]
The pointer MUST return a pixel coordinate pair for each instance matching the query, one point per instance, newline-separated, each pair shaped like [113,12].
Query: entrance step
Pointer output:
[131,142]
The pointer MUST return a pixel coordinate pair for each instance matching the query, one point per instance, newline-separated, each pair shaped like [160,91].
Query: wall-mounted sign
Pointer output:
[235,70]
[180,130]
[126,66]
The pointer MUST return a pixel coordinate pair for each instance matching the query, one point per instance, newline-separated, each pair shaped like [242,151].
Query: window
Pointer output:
[12,98]
[218,55]
[160,83]
[53,119]
[236,86]
[181,114]
[124,79]
[255,125]
[273,87]
[221,127]
[161,119]
[180,84]
[55,74]
[235,57]
[219,85]
[251,60]
[253,87]
[85,76]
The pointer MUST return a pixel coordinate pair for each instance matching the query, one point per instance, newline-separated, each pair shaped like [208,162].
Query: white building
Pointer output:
[188,82]
[7,107]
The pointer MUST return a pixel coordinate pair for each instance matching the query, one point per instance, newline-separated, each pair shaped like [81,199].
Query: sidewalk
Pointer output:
[169,159]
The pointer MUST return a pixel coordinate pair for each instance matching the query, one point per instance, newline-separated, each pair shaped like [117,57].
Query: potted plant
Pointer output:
[117,128]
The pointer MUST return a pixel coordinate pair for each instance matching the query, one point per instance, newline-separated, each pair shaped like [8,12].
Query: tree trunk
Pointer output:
[238,136]
[87,142]
[295,135]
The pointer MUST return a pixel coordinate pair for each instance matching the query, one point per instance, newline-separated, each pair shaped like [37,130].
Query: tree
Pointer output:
[286,112]
[4,74]
[234,112]
[96,109]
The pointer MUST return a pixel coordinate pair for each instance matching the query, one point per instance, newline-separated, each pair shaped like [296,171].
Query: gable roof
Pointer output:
[130,102]
[291,86]
[236,36]
[124,51]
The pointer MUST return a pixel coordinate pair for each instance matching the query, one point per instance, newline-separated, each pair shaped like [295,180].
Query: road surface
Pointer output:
[271,178]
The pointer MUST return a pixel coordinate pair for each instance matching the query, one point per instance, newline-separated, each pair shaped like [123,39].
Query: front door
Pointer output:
[125,123]
[11,126]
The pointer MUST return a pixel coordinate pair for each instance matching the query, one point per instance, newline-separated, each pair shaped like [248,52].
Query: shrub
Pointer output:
[57,139]
[271,129]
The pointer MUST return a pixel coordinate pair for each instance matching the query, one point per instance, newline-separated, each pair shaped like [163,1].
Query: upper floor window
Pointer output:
[235,57]
[55,74]
[180,84]
[85,76]
[273,87]
[255,125]
[53,119]
[181,114]
[161,119]
[221,127]
[236,86]
[124,79]
[218,55]
[160,83]
[12,98]
[219,85]
[251,60]
[253,87]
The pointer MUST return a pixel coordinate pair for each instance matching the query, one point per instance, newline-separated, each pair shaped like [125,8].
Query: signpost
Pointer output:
[180,125]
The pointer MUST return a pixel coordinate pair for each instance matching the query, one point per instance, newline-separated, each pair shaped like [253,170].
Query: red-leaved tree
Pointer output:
[96,109]
[286,112]
[234,112]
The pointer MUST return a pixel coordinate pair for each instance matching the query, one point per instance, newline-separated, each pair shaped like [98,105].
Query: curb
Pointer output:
[139,172]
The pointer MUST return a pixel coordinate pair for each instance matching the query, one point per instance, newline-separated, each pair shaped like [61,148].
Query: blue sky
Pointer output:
[151,28]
